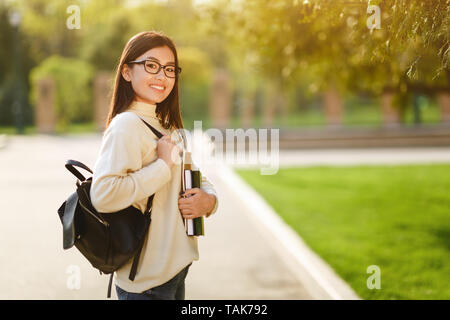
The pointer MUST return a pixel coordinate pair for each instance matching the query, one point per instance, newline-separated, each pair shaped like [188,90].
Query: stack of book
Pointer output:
[192,178]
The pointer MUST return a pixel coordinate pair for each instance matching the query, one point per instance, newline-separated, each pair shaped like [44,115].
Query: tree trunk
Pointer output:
[443,99]
[45,113]
[391,116]
[220,105]
[274,102]
[333,107]
[247,108]
[102,96]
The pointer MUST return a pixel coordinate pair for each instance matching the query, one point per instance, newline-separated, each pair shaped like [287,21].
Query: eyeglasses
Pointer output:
[154,67]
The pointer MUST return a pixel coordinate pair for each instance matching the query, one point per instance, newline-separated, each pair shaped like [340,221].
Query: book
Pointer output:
[192,178]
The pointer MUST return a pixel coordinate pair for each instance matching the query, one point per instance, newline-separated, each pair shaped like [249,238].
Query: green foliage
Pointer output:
[6,40]
[44,24]
[329,42]
[105,30]
[195,80]
[306,45]
[15,62]
[73,88]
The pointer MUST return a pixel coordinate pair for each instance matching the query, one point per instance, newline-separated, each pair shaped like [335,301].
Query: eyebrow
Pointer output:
[153,58]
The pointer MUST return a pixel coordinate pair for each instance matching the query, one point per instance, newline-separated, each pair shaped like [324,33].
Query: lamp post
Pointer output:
[14,19]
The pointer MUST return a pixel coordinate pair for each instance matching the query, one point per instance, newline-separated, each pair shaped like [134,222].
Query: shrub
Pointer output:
[73,88]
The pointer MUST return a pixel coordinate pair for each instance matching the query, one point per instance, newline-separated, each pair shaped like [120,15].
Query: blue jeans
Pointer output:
[171,290]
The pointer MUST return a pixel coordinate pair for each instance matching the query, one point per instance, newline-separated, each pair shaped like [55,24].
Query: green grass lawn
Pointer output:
[72,128]
[10,130]
[366,116]
[394,217]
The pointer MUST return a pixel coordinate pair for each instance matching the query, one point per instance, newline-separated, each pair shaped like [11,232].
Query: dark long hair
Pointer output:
[123,95]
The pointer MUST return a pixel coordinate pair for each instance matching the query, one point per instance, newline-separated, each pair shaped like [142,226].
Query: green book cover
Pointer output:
[199,228]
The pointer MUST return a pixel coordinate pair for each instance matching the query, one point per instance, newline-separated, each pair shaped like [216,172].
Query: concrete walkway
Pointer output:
[236,260]
[239,259]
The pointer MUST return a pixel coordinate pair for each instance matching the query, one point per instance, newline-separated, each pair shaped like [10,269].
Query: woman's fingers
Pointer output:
[188,214]
[184,206]
[185,201]
[168,138]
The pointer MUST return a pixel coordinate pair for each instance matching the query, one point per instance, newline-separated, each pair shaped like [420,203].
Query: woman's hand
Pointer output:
[196,204]
[168,151]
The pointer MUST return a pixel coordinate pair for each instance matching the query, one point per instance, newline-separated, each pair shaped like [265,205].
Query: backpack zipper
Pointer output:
[106,224]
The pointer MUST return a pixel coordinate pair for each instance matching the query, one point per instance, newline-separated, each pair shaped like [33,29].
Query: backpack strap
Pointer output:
[138,253]
[156,132]
[70,164]
[110,284]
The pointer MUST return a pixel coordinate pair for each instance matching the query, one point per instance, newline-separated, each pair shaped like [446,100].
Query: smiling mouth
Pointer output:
[157,88]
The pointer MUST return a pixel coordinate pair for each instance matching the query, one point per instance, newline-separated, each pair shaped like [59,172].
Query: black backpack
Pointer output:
[107,240]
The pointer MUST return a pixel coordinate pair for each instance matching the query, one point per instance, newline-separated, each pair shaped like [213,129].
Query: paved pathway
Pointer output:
[236,260]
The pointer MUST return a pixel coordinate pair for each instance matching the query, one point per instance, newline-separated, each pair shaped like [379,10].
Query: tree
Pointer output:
[330,41]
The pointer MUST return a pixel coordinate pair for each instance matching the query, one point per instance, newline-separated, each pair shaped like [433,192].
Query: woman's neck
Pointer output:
[138,99]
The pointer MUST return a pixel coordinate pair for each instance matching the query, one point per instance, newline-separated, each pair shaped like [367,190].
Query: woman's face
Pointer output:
[151,88]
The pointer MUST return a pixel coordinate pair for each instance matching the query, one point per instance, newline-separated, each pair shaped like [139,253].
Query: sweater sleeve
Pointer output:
[208,187]
[119,179]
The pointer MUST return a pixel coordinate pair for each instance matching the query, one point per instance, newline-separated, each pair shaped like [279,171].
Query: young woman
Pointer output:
[133,164]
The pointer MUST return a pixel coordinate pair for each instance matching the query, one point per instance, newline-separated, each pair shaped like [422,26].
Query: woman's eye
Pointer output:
[171,69]
[152,65]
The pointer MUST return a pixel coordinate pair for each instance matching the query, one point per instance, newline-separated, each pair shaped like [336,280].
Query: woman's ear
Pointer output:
[126,73]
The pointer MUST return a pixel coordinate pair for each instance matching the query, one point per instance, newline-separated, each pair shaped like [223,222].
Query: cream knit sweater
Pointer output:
[127,172]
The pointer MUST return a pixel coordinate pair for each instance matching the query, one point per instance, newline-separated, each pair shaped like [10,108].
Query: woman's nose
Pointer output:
[160,74]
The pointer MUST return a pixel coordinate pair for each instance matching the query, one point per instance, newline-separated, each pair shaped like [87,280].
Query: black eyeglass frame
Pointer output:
[177,69]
